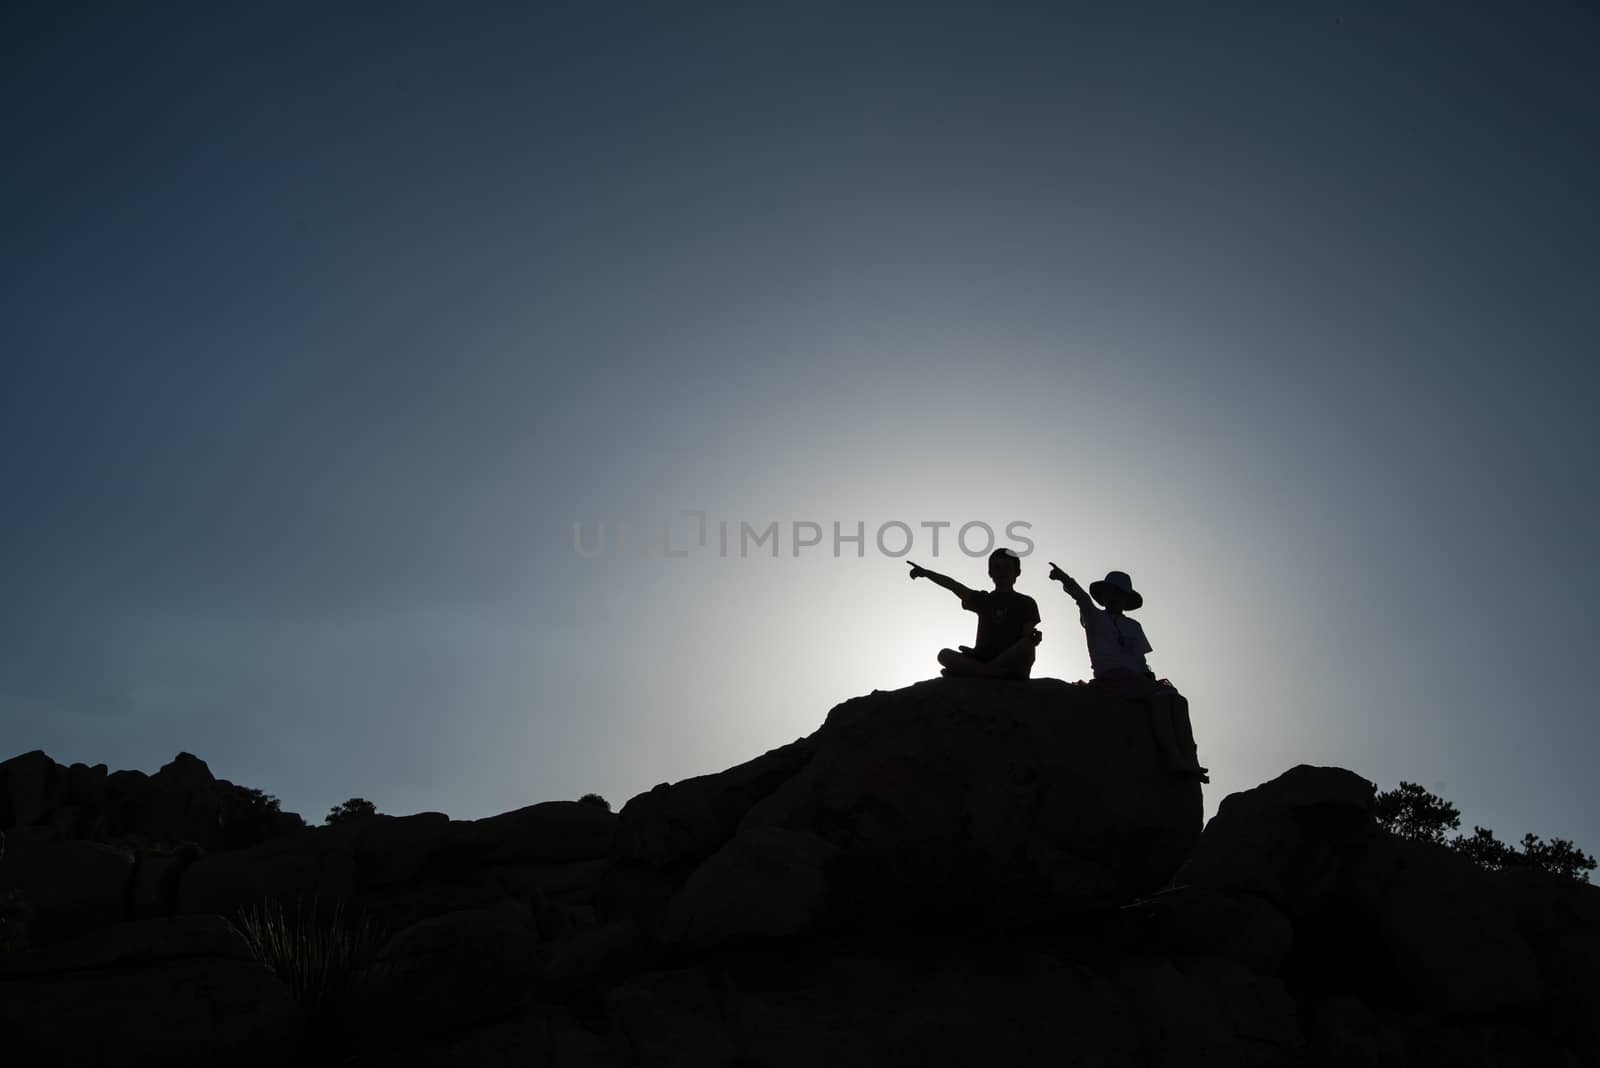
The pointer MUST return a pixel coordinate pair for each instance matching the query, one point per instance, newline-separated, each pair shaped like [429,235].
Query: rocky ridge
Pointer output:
[958,872]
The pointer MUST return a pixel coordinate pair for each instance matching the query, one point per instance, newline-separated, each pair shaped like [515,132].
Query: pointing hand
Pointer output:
[917,572]
[1056,574]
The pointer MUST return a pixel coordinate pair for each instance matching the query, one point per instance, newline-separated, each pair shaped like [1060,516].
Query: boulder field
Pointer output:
[961,872]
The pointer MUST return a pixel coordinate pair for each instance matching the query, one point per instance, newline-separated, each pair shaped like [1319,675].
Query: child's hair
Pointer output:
[1006,554]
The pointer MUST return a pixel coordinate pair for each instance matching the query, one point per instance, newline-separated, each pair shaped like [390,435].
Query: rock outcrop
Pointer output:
[1041,783]
[182,802]
[959,872]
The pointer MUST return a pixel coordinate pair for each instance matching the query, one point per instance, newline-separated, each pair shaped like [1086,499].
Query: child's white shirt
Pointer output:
[1116,643]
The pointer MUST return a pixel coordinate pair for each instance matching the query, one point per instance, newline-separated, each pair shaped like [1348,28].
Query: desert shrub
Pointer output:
[354,809]
[319,951]
[595,800]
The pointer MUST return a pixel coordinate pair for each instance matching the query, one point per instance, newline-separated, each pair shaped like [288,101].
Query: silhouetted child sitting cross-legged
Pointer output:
[1003,648]
[1117,647]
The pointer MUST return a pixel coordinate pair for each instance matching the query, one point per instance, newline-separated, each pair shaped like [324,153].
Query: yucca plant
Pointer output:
[319,952]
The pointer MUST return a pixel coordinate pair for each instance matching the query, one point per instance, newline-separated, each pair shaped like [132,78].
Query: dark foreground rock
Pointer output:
[176,991]
[956,873]
[1042,782]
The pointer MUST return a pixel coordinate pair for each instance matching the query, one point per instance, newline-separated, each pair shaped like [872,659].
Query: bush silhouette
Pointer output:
[596,800]
[1411,812]
[319,952]
[354,809]
[250,816]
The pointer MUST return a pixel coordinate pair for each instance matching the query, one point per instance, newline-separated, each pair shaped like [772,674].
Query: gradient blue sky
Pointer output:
[322,324]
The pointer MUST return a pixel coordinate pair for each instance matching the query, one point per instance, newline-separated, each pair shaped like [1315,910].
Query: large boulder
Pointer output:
[1042,783]
[767,882]
[549,1037]
[1403,924]
[153,890]
[69,886]
[453,971]
[166,991]
[1287,840]
[1452,939]
[396,849]
[313,863]
[31,785]
[180,803]
[85,785]
[685,822]
[854,1010]
[1208,1011]
[1196,922]
[549,831]
[183,775]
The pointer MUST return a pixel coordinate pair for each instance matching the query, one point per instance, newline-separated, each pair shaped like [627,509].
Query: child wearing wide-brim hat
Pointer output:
[1117,645]
[1117,648]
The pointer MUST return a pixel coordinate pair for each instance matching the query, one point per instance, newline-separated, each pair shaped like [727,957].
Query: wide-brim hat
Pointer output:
[1120,581]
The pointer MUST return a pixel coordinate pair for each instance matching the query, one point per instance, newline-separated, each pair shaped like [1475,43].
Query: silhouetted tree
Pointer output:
[596,800]
[1484,849]
[250,816]
[1557,856]
[356,808]
[1411,812]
